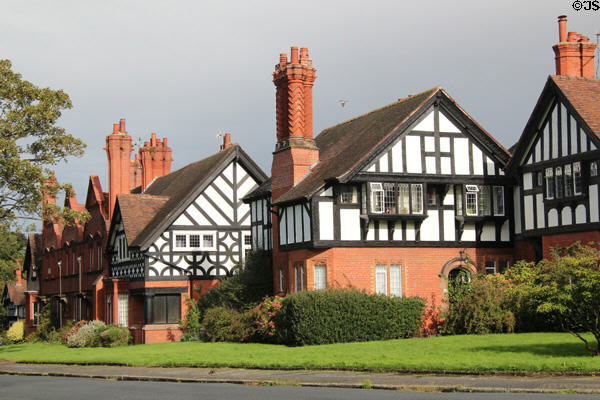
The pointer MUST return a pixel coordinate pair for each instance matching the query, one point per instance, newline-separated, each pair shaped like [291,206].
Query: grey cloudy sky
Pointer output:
[188,70]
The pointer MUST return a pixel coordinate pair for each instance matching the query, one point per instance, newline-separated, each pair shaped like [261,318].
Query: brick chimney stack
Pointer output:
[574,52]
[226,142]
[156,158]
[118,150]
[296,150]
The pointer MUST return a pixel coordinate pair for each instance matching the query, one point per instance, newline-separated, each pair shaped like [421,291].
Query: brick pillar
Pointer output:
[574,54]
[118,150]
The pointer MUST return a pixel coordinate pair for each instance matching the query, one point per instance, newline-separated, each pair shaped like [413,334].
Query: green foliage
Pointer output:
[84,337]
[252,282]
[191,324]
[30,143]
[221,324]
[16,332]
[47,327]
[12,249]
[478,305]
[112,336]
[262,317]
[568,287]
[337,316]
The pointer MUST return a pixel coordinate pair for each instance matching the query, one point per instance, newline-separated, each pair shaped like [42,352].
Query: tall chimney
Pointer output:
[574,54]
[156,158]
[296,150]
[226,142]
[118,150]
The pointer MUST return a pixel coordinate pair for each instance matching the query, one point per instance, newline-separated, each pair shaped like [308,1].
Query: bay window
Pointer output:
[395,198]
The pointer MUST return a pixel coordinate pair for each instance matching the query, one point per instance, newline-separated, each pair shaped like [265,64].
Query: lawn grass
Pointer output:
[532,352]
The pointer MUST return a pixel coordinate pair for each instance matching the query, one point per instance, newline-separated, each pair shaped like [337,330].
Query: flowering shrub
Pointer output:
[64,339]
[16,332]
[262,316]
[84,337]
[221,324]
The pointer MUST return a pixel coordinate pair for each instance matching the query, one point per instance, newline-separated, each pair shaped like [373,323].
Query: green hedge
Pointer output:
[337,316]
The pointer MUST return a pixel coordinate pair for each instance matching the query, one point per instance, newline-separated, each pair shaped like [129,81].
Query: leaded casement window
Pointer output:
[391,286]
[195,241]
[485,201]
[471,199]
[549,176]
[490,267]
[180,241]
[568,178]
[559,185]
[577,189]
[348,194]
[123,309]
[320,277]
[247,240]
[163,309]
[396,198]
[498,200]
[298,277]
[593,168]
[208,241]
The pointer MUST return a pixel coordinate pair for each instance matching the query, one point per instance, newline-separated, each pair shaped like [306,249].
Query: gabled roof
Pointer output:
[15,293]
[168,195]
[33,253]
[581,95]
[344,148]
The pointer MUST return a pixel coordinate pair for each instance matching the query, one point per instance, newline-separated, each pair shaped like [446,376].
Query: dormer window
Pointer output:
[394,198]
[348,194]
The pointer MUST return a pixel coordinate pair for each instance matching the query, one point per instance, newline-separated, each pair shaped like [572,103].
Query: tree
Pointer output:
[31,143]
[569,287]
[12,249]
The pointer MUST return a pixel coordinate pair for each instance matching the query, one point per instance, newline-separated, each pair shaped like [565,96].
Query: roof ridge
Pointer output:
[401,100]
[574,78]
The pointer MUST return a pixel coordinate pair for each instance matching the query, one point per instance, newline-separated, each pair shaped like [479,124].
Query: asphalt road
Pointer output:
[50,388]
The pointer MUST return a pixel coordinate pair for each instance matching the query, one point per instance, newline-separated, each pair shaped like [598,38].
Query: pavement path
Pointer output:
[306,378]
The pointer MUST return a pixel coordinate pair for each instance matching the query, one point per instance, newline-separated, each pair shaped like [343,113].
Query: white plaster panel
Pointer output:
[573,136]
[220,202]
[410,231]
[210,210]
[477,161]
[517,209]
[580,214]
[426,124]
[449,230]
[242,210]
[546,136]
[552,218]
[469,233]
[298,222]
[566,216]
[429,143]
[228,172]
[246,188]
[539,199]
[326,220]
[291,232]
[430,227]
[445,144]
[327,192]
[583,140]
[397,157]
[349,224]
[413,154]
[224,187]
[383,163]
[197,215]
[446,165]
[538,150]
[183,220]
[282,226]
[371,231]
[306,220]
[461,156]
[527,181]
[488,233]
[383,230]
[490,166]
[449,196]
[564,133]
[446,125]
[593,198]
[505,232]
[397,231]
[528,211]
[430,165]
[371,168]
[555,133]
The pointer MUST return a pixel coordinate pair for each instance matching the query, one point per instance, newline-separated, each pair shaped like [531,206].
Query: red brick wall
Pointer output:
[566,239]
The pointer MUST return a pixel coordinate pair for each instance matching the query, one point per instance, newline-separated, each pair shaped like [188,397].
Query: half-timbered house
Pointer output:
[391,201]
[185,231]
[556,159]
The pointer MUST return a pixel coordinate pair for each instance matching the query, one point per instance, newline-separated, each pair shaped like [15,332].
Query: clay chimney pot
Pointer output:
[294,59]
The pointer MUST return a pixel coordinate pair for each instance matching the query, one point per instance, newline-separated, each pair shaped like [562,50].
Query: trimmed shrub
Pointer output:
[262,317]
[222,324]
[112,336]
[346,315]
[16,332]
[85,335]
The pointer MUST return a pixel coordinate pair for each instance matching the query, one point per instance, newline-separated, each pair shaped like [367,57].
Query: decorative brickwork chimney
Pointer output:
[226,142]
[574,52]
[156,158]
[118,149]
[136,172]
[296,150]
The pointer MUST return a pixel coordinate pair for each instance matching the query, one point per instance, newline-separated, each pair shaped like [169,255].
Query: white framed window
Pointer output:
[348,194]
[180,241]
[549,176]
[381,279]
[498,200]
[123,309]
[403,198]
[577,178]
[208,241]
[417,198]
[320,277]
[471,199]
[593,168]
[490,267]
[568,178]
[559,185]
[396,280]
[195,241]
[376,198]
[485,201]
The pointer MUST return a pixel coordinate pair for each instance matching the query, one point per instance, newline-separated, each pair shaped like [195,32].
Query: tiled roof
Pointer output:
[343,146]
[584,96]
[137,210]
[16,293]
[263,190]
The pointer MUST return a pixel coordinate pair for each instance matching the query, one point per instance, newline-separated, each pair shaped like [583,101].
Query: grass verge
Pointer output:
[531,352]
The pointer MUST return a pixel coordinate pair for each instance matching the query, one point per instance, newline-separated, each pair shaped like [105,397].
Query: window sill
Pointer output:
[564,201]
[400,217]
[479,218]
